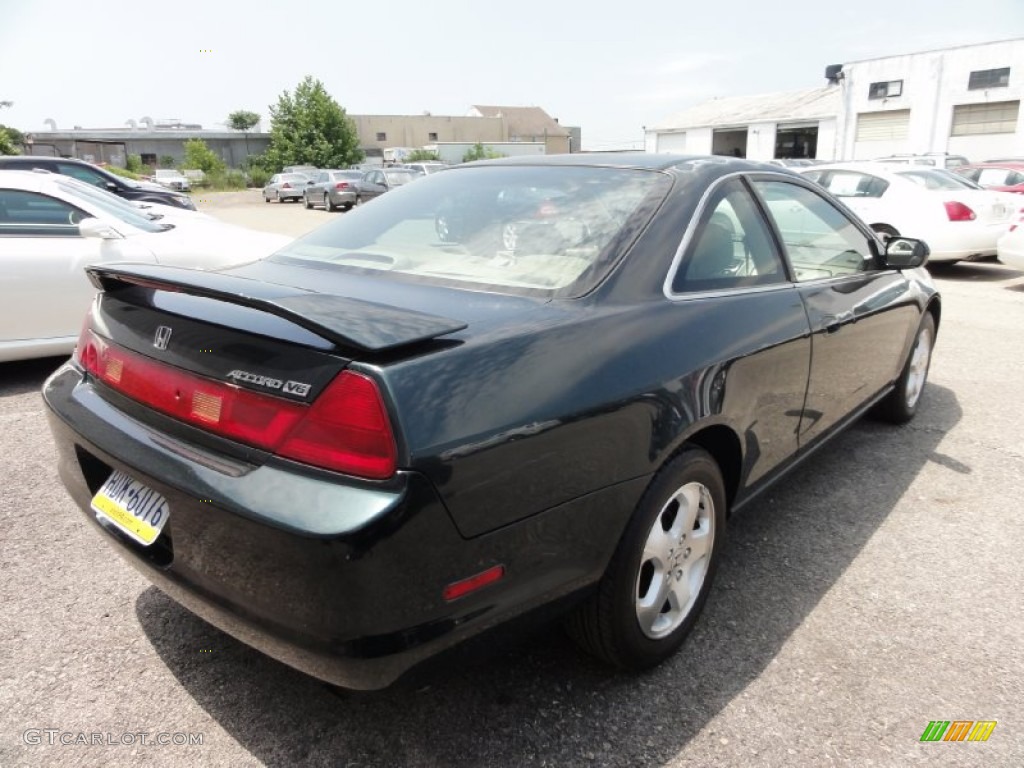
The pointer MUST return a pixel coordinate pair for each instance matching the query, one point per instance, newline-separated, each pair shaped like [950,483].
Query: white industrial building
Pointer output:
[963,100]
[793,124]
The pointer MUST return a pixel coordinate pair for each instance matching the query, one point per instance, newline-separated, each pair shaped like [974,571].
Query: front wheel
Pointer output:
[900,405]
[308,203]
[660,575]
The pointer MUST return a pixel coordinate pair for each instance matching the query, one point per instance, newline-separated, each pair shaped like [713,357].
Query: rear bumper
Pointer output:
[965,240]
[343,197]
[338,579]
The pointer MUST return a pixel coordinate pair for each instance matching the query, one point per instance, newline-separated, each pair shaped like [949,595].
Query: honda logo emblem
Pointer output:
[162,337]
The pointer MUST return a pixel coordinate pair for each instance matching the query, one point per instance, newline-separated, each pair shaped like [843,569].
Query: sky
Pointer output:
[610,68]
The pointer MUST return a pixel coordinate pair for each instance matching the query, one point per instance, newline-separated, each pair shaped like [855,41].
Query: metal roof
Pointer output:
[808,104]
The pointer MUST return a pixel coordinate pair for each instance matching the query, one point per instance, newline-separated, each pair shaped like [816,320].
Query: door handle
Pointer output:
[834,322]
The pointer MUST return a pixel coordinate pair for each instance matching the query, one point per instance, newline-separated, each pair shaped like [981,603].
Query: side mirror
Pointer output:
[93,227]
[111,185]
[905,253]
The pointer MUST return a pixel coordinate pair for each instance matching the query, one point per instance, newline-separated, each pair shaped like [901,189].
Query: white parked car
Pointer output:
[170,178]
[957,219]
[1011,246]
[50,231]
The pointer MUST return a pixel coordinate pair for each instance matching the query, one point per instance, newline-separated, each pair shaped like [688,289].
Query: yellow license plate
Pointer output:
[132,507]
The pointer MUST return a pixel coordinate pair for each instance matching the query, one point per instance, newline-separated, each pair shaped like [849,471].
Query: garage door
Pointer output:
[672,142]
[883,126]
[994,117]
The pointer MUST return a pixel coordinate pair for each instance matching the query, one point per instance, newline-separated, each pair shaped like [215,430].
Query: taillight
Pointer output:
[959,212]
[346,429]
[341,185]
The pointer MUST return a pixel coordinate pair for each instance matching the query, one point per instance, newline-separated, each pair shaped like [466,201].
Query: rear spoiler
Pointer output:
[339,319]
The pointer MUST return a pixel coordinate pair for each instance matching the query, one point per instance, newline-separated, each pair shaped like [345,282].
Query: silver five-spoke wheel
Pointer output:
[675,560]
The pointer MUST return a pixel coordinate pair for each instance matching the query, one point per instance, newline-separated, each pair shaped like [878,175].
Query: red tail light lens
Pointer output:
[346,429]
[341,185]
[347,426]
[959,212]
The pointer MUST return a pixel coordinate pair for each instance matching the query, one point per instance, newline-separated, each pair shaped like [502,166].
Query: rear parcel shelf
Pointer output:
[339,319]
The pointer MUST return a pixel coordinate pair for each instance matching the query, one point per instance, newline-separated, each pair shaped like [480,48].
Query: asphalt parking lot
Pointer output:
[877,589]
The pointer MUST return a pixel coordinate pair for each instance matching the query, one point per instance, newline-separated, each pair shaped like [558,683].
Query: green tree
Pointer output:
[10,138]
[7,146]
[243,120]
[198,155]
[480,152]
[311,128]
[422,156]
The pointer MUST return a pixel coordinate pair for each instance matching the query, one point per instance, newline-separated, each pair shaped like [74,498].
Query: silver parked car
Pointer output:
[170,178]
[377,182]
[332,189]
[286,186]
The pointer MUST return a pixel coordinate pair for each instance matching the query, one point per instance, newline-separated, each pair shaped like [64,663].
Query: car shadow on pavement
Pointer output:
[544,702]
[974,271]
[19,377]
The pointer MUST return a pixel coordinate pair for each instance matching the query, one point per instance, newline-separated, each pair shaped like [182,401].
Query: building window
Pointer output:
[885,89]
[148,159]
[431,137]
[989,78]
[381,136]
[994,117]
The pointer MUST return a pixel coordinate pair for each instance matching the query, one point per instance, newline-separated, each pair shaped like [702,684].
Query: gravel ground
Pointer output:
[878,588]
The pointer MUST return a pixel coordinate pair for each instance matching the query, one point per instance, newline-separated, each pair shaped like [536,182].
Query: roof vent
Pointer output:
[834,73]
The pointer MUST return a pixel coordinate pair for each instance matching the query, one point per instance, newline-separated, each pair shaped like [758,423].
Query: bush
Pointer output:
[480,152]
[258,176]
[223,180]
[422,156]
[134,163]
[122,172]
[166,161]
[200,156]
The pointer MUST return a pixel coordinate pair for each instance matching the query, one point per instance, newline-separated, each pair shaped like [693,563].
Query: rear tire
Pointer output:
[900,405]
[306,201]
[659,577]
[328,205]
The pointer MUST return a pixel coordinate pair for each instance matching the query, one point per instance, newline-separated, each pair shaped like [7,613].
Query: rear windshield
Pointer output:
[544,230]
[936,180]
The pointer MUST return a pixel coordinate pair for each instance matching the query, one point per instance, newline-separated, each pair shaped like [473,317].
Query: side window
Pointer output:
[28,214]
[82,173]
[731,247]
[820,240]
[992,177]
[321,177]
[851,184]
[1013,178]
[972,173]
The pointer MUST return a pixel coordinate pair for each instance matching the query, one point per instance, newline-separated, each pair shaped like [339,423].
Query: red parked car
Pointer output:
[998,176]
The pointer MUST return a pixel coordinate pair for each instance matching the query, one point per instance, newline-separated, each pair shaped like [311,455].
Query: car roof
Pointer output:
[32,181]
[1014,165]
[634,160]
[48,157]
